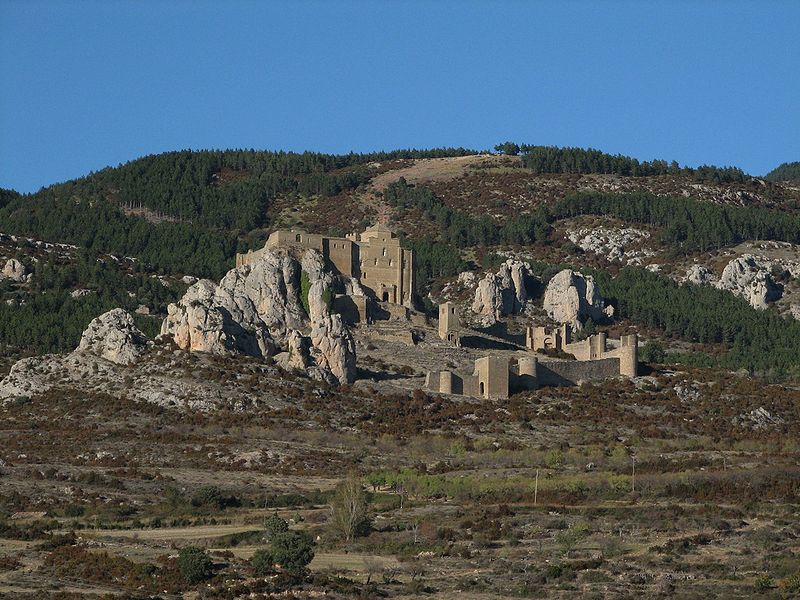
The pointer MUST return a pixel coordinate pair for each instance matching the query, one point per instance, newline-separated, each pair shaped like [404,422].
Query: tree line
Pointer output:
[786,172]
[584,161]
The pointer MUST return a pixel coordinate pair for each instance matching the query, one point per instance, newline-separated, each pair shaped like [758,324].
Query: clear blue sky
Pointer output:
[94,83]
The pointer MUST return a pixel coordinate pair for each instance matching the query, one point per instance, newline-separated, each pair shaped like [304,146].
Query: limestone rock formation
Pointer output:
[616,244]
[504,292]
[257,309]
[115,337]
[272,285]
[700,275]
[749,278]
[297,356]
[334,348]
[210,318]
[15,271]
[571,297]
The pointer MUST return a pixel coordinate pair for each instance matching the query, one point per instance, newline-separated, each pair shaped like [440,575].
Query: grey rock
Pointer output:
[115,337]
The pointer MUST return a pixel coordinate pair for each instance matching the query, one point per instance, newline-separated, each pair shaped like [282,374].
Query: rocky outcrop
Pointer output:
[700,275]
[115,337]
[571,298]
[334,348]
[257,310]
[272,285]
[750,278]
[210,318]
[504,292]
[615,244]
[15,271]
[297,356]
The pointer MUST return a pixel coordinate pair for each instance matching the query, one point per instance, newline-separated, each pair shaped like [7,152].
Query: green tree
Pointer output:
[194,565]
[274,525]
[509,148]
[292,550]
[263,562]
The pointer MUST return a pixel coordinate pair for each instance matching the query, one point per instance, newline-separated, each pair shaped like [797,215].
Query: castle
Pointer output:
[375,258]
[496,376]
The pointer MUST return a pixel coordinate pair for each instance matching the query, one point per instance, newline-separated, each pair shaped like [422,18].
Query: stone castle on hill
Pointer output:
[374,257]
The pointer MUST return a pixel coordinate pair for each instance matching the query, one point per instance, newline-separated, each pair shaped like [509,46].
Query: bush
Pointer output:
[274,525]
[293,551]
[263,562]
[652,352]
[195,565]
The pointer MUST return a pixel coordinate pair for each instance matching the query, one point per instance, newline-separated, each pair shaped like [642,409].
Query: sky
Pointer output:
[90,84]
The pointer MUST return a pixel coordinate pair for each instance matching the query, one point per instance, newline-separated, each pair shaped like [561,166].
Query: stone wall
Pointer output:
[570,372]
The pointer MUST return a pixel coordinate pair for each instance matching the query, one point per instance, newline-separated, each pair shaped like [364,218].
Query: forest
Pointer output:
[50,320]
[786,172]
[688,225]
[552,159]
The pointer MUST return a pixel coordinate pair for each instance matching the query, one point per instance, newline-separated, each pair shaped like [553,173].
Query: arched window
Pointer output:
[297,238]
[482,389]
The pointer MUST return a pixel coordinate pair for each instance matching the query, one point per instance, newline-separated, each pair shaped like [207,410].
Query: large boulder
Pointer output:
[115,337]
[15,271]
[571,297]
[504,292]
[700,275]
[334,349]
[749,278]
[209,318]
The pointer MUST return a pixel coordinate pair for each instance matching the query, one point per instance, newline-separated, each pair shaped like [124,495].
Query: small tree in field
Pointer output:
[274,525]
[293,551]
[263,562]
[194,565]
[349,509]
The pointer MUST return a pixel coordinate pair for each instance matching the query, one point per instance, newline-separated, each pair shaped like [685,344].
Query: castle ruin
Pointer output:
[497,375]
[375,258]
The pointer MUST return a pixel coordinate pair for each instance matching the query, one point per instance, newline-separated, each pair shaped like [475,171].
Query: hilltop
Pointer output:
[164,387]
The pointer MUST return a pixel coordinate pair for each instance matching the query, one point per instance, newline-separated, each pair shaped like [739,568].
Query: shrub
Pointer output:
[652,352]
[293,551]
[554,458]
[263,562]
[274,525]
[194,565]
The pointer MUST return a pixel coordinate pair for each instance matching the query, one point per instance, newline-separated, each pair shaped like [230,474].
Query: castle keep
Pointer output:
[374,257]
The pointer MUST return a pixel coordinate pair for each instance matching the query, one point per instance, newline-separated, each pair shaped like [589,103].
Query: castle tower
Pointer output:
[491,373]
[629,355]
[597,345]
[449,323]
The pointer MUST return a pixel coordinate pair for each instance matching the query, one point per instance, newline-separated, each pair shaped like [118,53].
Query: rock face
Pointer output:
[571,297]
[749,278]
[15,271]
[115,337]
[257,310]
[334,348]
[209,318]
[504,292]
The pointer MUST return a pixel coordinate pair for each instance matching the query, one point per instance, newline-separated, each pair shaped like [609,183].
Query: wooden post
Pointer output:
[536,488]
[633,473]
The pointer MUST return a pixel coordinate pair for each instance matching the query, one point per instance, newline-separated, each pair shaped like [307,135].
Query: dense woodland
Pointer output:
[687,224]
[551,159]
[785,172]
[49,319]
